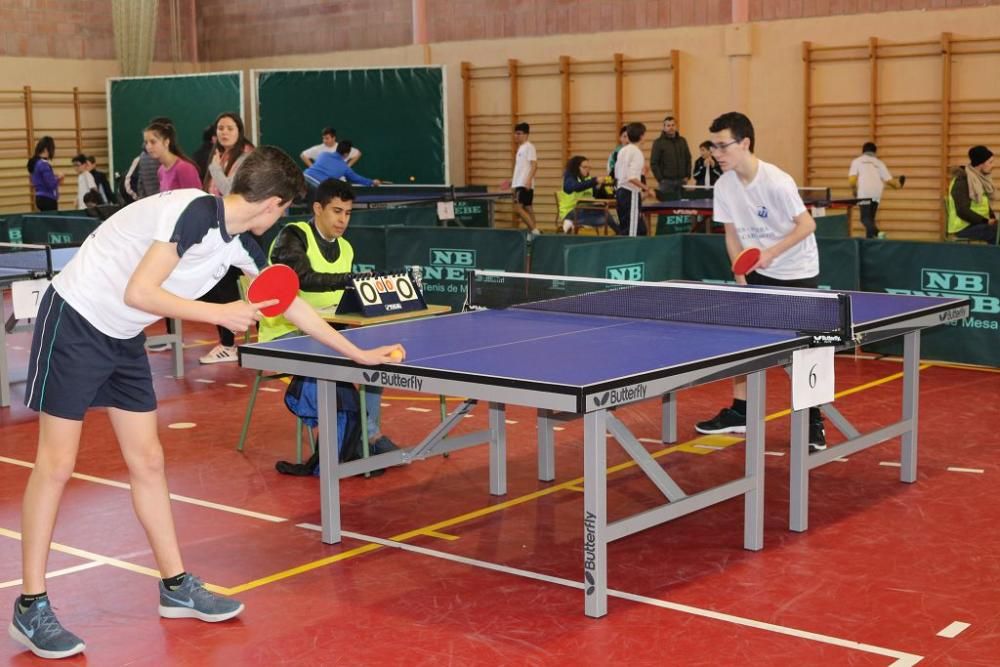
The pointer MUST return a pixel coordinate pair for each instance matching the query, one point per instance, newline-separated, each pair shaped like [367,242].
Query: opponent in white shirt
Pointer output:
[628,181]
[868,176]
[329,145]
[760,207]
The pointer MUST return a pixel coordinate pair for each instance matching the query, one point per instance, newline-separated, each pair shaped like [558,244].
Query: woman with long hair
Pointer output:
[44,180]
[176,170]
[579,184]
[231,149]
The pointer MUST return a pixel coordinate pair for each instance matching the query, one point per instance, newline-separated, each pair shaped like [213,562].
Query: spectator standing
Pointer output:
[44,180]
[671,161]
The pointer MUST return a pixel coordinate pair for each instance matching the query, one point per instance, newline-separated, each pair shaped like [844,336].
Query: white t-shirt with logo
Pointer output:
[526,154]
[629,165]
[314,152]
[872,175]
[94,281]
[763,213]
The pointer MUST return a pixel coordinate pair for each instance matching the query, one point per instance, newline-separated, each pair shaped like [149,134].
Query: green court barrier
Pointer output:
[10,228]
[941,269]
[415,216]
[369,245]
[57,229]
[446,254]
[655,258]
[833,227]
[547,252]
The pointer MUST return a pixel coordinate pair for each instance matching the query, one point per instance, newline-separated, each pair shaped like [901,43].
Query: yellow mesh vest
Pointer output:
[274,327]
[955,223]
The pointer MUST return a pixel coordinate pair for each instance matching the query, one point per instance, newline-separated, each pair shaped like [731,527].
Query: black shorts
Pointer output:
[73,366]
[524,196]
[755,278]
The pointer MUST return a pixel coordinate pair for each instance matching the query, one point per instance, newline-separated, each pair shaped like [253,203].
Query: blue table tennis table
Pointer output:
[653,340]
[30,262]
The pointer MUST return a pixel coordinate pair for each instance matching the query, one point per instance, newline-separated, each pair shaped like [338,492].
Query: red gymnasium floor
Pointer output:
[888,574]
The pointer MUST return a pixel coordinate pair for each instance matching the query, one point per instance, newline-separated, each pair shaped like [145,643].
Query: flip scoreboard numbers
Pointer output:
[377,294]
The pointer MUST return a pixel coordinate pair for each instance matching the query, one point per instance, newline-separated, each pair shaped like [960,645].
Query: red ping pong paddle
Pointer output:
[745,261]
[277,281]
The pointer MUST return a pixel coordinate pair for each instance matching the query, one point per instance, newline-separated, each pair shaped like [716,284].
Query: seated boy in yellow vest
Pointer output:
[323,259]
[970,215]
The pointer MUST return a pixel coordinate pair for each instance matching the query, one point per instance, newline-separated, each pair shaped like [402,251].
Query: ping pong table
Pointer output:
[655,339]
[27,262]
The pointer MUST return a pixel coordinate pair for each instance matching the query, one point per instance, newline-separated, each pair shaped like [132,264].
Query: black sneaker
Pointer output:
[817,437]
[727,421]
[383,445]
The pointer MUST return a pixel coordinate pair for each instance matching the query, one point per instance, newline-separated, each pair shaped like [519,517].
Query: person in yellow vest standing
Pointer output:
[970,215]
[323,260]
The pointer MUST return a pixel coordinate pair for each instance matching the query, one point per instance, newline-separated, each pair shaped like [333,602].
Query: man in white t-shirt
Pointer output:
[868,176]
[329,145]
[150,260]
[760,207]
[523,180]
[629,187]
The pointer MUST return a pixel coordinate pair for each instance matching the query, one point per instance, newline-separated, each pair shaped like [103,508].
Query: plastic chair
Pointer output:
[594,206]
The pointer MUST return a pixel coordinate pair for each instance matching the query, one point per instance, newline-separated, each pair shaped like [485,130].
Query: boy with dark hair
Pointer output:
[328,145]
[101,179]
[323,260]
[150,260]
[335,165]
[760,206]
[523,180]
[628,178]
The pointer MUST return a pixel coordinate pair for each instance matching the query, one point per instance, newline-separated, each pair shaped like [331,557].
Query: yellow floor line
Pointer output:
[441,536]
[316,564]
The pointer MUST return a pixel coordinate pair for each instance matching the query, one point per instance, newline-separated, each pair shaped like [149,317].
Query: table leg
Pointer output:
[669,423]
[595,516]
[498,449]
[546,447]
[798,484]
[911,396]
[753,507]
[329,460]
[4,369]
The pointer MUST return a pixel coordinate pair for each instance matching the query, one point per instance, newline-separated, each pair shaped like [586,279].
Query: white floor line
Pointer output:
[979,471]
[953,630]
[889,464]
[902,659]
[708,447]
[841,460]
[415,409]
[236,385]
[56,573]
[204,380]
[510,421]
[270,389]
[558,428]
[654,441]
[767,453]
[173,496]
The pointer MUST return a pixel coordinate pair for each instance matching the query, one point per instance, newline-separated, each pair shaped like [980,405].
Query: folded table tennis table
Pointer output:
[655,339]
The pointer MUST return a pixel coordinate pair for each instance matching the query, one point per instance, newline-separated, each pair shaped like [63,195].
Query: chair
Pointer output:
[262,376]
[587,204]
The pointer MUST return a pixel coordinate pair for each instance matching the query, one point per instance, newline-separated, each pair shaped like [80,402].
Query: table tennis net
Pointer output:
[17,258]
[804,311]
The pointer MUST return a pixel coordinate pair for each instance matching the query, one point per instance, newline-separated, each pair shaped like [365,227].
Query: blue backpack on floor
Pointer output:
[300,399]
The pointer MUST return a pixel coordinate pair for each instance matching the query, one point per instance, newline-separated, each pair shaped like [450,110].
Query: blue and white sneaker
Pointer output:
[38,630]
[192,600]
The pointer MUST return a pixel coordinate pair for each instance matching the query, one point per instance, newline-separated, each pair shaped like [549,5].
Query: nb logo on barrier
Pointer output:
[944,280]
[453,257]
[634,271]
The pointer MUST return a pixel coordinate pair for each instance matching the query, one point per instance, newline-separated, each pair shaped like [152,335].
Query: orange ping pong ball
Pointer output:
[396,354]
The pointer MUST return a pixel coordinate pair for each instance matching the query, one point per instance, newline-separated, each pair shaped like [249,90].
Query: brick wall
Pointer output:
[767,10]
[489,19]
[78,29]
[260,28]
[228,29]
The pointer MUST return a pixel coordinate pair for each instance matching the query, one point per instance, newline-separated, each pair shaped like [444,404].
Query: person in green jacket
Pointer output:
[970,214]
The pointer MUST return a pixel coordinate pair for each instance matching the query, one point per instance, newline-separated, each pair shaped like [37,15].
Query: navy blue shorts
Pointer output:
[73,366]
